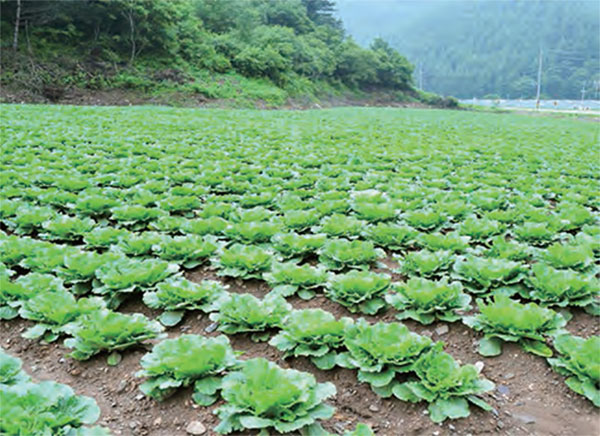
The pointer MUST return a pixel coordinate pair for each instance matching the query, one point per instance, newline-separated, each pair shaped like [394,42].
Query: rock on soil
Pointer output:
[195,428]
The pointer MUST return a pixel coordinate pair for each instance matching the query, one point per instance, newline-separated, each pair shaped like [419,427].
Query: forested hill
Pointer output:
[472,48]
[266,50]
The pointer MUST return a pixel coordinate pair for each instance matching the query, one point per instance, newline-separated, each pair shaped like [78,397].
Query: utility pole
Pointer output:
[539,81]
[582,94]
[421,76]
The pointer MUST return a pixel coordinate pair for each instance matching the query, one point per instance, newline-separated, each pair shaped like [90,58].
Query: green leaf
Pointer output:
[490,347]
[479,403]
[377,379]
[325,362]
[35,332]
[255,422]
[536,347]
[404,393]
[114,358]
[452,408]
[171,318]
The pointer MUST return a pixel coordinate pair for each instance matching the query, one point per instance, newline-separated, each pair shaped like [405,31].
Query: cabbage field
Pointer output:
[350,271]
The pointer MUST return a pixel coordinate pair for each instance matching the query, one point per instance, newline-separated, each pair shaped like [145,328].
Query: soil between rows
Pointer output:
[529,399]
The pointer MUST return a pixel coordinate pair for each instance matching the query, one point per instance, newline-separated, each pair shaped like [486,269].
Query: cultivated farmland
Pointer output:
[169,271]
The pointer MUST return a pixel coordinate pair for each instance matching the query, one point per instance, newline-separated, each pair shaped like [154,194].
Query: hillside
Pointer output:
[245,52]
[474,48]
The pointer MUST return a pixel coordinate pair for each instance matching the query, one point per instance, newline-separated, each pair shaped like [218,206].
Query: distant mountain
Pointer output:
[473,48]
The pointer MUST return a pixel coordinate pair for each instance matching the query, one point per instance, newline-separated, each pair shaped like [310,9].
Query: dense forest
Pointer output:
[207,46]
[476,48]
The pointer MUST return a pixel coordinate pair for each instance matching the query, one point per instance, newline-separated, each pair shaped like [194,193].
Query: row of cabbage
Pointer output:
[87,319]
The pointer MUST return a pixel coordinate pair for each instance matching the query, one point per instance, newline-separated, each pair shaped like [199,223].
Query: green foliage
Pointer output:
[261,396]
[300,220]
[426,300]
[189,251]
[426,263]
[10,370]
[337,254]
[509,250]
[424,219]
[578,360]
[503,319]
[359,291]
[381,350]
[445,385]
[375,212]
[128,275]
[47,408]
[390,236]
[187,359]
[445,242]
[288,278]
[337,225]
[134,244]
[208,226]
[480,229]
[104,330]
[103,237]
[52,311]
[295,245]
[177,295]
[313,333]
[563,288]
[482,62]
[252,232]
[246,313]
[573,256]
[535,233]
[244,261]
[482,275]
[65,228]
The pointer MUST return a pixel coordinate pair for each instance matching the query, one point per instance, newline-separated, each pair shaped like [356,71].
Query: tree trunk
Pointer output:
[17,23]
[132,36]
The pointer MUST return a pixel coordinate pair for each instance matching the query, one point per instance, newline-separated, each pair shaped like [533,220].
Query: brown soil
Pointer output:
[124,97]
[530,399]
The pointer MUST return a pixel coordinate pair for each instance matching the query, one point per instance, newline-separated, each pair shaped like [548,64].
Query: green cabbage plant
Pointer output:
[562,288]
[245,313]
[188,251]
[175,296]
[338,254]
[66,228]
[359,291]
[288,278]
[291,245]
[185,360]
[446,242]
[313,333]
[390,236]
[263,396]
[447,386]
[578,359]
[105,330]
[425,263]
[426,300]
[579,257]
[47,408]
[482,275]
[53,310]
[129,275]
[243,261]
[380,351]
[505,320]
